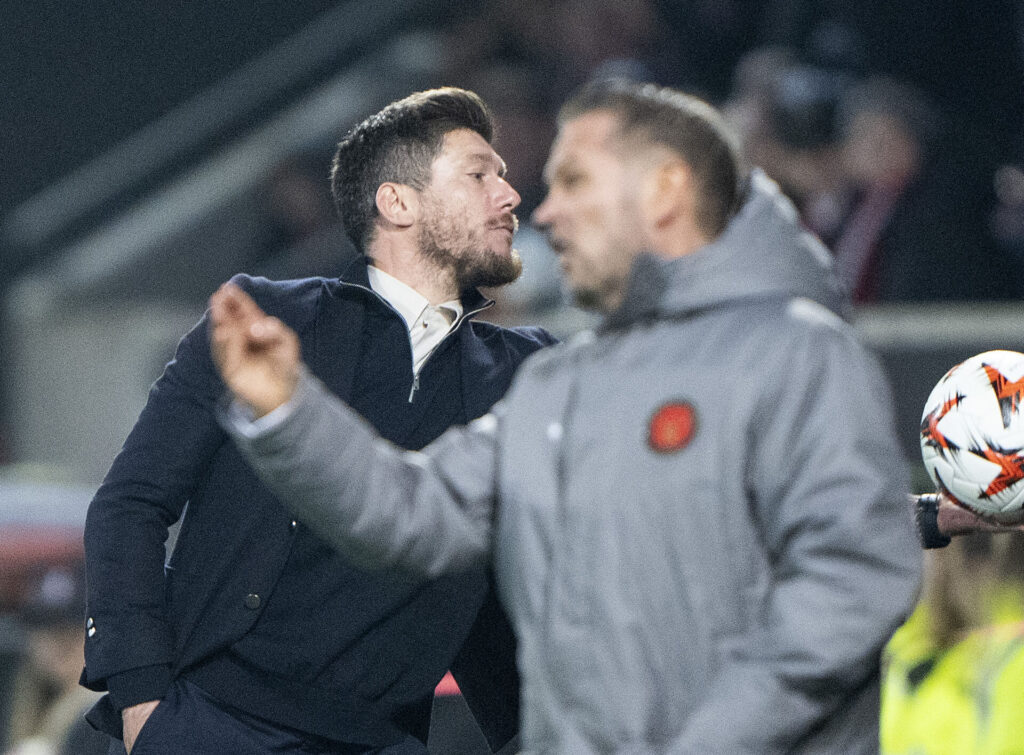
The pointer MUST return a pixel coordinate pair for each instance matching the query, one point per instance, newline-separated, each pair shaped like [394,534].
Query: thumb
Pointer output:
[268,331]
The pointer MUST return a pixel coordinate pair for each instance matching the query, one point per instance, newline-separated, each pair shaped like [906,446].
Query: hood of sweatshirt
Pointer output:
[764,252]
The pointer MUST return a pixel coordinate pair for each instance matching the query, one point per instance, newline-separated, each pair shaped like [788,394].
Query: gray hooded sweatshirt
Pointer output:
[696,515]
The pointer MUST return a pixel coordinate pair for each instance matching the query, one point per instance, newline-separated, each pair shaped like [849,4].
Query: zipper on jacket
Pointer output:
[416,375]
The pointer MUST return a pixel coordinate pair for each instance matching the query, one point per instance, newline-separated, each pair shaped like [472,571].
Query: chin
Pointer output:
[498,268]
[587,298]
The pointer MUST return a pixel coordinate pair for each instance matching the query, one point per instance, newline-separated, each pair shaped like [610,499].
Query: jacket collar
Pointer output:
[339,326]
[645,287]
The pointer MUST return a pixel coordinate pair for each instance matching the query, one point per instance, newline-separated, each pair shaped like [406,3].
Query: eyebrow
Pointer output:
[487,160]
[554,170]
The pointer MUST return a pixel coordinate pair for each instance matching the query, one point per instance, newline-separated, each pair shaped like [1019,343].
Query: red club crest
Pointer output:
[672,427]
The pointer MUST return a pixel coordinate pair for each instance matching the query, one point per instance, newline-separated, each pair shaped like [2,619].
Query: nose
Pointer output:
[541,217]
[508,198]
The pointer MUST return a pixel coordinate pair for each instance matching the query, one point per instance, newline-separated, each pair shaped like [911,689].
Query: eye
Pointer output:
[570,181]
[477,176]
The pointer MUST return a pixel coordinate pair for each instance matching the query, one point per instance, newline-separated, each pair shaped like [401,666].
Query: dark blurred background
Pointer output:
[152,149]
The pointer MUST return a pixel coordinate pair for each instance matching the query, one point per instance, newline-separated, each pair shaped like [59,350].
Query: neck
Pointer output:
[680,241]
[408,265]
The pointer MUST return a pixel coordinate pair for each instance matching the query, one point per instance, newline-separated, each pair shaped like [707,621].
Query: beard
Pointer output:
[451,246]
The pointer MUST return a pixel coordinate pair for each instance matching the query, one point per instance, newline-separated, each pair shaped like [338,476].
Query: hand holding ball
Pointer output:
[972,435]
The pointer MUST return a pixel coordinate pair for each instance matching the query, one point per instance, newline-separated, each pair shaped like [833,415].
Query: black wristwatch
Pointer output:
[926,514]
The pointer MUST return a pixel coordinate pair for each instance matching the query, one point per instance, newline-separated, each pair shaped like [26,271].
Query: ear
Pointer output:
[397,204]
[668,192]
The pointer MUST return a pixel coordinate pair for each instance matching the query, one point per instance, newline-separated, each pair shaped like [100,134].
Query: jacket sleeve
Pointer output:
[129,642]
[428,512]
[827,489]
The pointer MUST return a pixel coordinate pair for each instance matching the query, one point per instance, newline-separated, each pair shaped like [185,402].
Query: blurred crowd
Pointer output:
[42,605]
[897,128]
[954,672]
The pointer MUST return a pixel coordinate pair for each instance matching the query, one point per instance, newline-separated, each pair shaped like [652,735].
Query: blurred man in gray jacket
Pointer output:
[697,515]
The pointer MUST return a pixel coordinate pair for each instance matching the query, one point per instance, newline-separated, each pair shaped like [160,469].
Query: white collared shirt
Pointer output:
[427,324]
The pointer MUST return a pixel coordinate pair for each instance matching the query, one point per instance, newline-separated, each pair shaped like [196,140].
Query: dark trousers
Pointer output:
[188,721]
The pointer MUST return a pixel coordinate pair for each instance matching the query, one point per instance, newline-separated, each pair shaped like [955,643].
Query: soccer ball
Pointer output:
[972,435]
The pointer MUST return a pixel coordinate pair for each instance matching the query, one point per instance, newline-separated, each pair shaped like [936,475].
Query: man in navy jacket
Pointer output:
[255,636]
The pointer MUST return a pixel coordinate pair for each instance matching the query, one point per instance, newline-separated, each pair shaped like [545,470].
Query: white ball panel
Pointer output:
[975,420]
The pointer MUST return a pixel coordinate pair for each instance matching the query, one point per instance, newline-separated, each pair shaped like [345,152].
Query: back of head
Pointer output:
[398,144]
[652,115]
[803,105]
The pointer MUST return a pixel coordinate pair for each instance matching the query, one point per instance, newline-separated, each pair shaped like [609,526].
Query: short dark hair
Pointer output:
[803,105]
[398,144]
[688,126]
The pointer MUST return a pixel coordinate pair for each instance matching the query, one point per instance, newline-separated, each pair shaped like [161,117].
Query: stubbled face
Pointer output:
[592,211]
[468,221]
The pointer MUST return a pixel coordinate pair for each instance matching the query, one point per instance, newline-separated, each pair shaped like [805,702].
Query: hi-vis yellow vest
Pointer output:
[966,700]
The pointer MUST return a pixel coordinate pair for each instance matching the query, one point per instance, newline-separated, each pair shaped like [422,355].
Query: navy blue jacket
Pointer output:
[147,624]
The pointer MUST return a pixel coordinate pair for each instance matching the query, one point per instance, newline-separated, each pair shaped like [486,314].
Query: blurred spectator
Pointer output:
[788,118]
[303,236]
[1007,219]
[802,126]
[964,54]
[47,704]
[919,229]
[953,674]
[754,83]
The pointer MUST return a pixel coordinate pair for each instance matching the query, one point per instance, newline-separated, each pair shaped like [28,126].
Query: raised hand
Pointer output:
[257,355]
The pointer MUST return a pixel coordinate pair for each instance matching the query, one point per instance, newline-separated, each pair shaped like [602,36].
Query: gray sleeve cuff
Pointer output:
[239,418]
